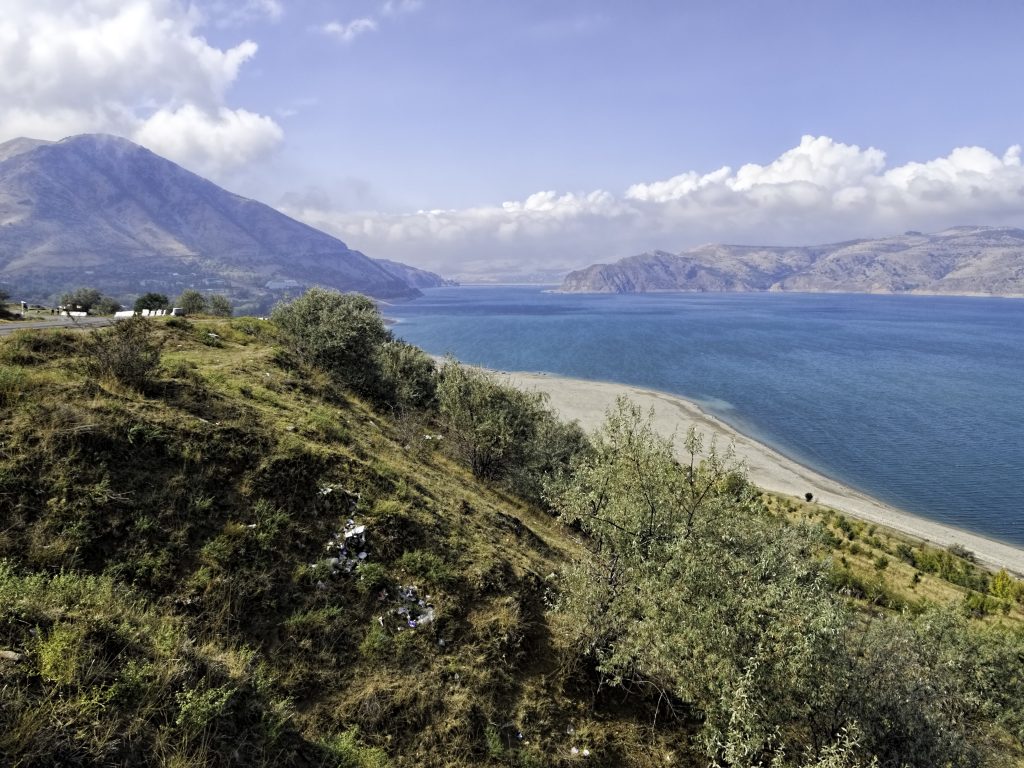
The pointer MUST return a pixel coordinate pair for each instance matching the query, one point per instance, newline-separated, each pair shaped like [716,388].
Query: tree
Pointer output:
[192,302]
[4,297]
[694,593]
[152,301]
[219,306]
[81,299]
[89,300]
[340,333]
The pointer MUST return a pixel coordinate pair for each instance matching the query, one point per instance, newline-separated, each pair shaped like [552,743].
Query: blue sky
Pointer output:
[524,135]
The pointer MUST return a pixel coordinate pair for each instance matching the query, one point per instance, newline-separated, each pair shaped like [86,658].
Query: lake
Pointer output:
[916,400]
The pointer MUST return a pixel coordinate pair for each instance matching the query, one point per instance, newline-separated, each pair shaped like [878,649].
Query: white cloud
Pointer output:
[346,32]
[819,191]
[400,7]
[125,67]
[219,141]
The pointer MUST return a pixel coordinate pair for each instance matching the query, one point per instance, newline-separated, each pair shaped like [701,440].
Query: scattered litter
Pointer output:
[575,750]
[413,611]
[570,730]
[327,490]
[432,437]
[586,753]
[347,548]
[213,335]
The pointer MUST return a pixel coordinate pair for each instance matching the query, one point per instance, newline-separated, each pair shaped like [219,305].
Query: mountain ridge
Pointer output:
[961,260]
[100,210]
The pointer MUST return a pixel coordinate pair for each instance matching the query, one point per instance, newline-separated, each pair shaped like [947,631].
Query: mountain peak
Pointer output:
[20,146]
[100,210]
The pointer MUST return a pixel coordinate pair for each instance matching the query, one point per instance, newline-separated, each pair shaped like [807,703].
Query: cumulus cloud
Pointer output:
[220,141]
[821,190]
[132,67]
[346,32]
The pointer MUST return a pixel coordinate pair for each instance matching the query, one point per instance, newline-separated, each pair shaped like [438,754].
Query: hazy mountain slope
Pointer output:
[961,260]
[417,278]
[103,211]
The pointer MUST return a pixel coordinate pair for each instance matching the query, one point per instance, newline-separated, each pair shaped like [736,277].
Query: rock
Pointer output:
[10,656]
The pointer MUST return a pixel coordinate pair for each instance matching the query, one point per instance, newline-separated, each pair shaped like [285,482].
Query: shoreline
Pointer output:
[586,401]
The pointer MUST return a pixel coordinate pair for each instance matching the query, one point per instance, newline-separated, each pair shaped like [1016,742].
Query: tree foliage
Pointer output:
[192,301]
[152,301]
[696,594]
[89,300]
[219,305]
[503,433]
[341,333]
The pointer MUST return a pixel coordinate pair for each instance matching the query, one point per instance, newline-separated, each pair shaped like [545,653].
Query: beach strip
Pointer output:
[588,401]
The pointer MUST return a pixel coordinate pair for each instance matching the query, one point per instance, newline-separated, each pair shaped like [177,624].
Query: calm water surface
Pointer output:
[918,401]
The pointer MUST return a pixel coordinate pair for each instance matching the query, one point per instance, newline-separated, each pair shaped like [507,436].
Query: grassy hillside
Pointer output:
[235,561]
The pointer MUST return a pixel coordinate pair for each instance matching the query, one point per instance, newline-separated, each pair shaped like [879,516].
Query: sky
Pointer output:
[510,137]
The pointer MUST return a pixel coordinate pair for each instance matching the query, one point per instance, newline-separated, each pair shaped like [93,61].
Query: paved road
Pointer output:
[56,322]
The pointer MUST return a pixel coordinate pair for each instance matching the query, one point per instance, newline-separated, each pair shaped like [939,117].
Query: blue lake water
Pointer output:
[916,400]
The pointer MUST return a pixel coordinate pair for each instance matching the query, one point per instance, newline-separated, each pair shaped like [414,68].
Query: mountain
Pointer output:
[101,211]
[418,278]
[960,260]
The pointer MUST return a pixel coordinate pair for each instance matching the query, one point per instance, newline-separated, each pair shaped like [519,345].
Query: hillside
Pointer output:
[101,211]
[417,278]
[183,579]
[961,260]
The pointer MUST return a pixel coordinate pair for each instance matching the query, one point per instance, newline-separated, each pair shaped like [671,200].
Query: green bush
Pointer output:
[340,333]
[502,433]
[128,353]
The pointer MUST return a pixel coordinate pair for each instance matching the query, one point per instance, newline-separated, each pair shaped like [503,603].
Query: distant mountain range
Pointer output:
[100,211]
[960,260]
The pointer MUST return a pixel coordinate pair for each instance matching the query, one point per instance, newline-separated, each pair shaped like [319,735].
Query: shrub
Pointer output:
[408,376]
[503,433]
[127,353]
[340,333]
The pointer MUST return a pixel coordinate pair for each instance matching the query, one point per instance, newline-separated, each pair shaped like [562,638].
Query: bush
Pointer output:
[340,333]
[127,353]
[503,433]
[408,376]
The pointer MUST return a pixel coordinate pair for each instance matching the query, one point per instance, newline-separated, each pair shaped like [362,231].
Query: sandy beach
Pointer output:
[587,402]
